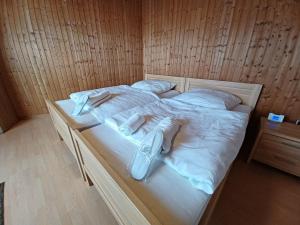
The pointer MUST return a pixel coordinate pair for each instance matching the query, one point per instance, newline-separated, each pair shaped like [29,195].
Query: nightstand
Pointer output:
[278,145]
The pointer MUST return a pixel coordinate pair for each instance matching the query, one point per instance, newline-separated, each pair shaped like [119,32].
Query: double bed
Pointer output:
[166,197]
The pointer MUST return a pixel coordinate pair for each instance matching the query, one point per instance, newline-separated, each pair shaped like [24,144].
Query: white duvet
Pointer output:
[122,98]
[206,144]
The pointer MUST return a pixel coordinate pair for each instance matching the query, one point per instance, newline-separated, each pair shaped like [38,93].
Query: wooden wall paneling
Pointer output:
[127,38]
[28,44]
[8,116]
[95,59]
[52,48]
[110,24]
[42,33]
[10,47]
[244,41]
[58,25]
[74,24]
[120,43]
[99,46]
[81,48]
[39,37]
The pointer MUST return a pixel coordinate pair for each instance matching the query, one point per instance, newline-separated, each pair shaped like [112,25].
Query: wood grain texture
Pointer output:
[8,116]
[248,93]
[245,41]
[278,145]
[42,182]
[262,196]
[52,48]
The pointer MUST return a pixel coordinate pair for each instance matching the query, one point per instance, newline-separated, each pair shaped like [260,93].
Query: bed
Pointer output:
[132,202]
[63,121]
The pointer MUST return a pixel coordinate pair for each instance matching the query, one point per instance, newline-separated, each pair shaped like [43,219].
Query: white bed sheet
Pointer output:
[206,144]
[242,108]
[85,120]
[123,97]
[165,192]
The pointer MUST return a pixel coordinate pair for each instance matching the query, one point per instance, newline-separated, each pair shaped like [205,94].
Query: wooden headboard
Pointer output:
[179,81]
[249,93]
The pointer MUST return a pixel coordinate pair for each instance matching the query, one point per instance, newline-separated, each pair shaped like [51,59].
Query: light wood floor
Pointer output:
[43,186]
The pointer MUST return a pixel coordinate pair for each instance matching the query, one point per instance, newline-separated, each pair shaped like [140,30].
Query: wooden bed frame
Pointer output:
[249,93]
[179,81]
[122,201]
[64,124]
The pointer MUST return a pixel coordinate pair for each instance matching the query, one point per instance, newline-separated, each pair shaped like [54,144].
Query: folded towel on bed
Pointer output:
[88,100]
[132,124]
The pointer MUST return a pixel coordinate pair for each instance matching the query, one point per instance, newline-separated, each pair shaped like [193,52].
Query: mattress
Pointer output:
[169,196]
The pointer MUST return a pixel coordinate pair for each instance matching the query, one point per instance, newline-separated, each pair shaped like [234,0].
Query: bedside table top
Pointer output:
[286,130]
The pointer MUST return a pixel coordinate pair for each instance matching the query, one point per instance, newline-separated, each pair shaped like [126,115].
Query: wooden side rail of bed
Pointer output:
[119,197]
[63,126]
[123,203]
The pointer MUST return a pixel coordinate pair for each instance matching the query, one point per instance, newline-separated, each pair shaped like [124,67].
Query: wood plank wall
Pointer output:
[8,116]
[50,48]
[255,41]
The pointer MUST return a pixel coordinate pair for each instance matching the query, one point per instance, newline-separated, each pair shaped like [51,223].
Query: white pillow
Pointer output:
[209,98]
[156,86]
[169,94]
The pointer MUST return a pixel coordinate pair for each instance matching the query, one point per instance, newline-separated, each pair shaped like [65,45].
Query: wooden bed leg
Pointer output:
[88,180]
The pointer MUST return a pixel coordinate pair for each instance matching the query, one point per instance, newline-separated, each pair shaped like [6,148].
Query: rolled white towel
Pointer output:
[132,124]
[169,127]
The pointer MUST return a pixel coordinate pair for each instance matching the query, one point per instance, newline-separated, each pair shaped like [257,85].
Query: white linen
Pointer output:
[169,196]
[123,97]
[147,155]
[155,143]
[86,119]
[93,95]
[155,86]
[132,124]
[87,102]
[169,126]
[242,108]
[169,94]
[205,146]
[209,98]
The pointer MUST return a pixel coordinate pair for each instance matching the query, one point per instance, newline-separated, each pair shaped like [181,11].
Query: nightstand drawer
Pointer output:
[279,152]
[268,138]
